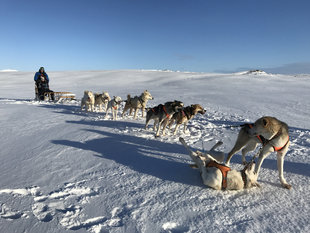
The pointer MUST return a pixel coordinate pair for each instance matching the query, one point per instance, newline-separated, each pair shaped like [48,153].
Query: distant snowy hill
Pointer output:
[8,70]
[67,170]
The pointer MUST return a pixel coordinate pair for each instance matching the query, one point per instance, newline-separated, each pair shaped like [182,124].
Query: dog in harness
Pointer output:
[113,104]
[185,115]
[161,115]
[272,134]
[218,176]
[136,103]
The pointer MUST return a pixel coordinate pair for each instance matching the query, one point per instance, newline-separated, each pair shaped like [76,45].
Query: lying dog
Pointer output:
[161,115]
[102,99]
[113,104]
[218,176]
[88,101]
[274,136]
[186,114]
[136,103]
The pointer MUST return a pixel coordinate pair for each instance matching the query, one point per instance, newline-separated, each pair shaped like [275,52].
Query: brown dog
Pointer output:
[136,103]
[186,114]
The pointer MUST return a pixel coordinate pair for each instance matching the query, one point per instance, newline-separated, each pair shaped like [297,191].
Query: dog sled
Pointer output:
[55,96]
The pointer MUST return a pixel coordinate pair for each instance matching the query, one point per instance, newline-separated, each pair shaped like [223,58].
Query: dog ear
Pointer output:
[265,122]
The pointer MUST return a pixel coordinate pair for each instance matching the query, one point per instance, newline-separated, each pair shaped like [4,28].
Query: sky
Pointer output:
[183,35]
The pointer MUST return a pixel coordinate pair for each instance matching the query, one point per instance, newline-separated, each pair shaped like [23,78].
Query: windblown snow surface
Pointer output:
[66,170]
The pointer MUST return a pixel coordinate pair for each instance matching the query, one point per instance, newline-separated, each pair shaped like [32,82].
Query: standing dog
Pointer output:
[274,136]
[88,101]
[102,99]
[161,115]
[136,103]
[186,114]
[113,104]
[218,176]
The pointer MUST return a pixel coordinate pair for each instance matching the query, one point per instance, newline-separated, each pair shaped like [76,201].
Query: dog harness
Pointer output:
[224,169]
[264,141]
[280,148]
[164,108]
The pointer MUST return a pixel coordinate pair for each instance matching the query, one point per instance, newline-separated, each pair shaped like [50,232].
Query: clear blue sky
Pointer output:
[202,36]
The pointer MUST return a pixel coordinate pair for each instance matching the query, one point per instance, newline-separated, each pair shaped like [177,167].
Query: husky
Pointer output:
[161,115]
[136,103]
[218,176]
[113,104]
[88,101]
[102,99]
[186,114]
[274,137]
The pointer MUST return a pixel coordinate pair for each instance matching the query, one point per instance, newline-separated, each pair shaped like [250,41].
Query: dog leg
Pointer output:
[241,142]
[158,129]
[176,129]
[142,110]
[147,122]
[249,147]
[113,114]
[185,126]
[156,122]
[125,109]
[106,113]
[280,163]
[130,112]
[263,154]
[136,112]
[165,123]
[171,123]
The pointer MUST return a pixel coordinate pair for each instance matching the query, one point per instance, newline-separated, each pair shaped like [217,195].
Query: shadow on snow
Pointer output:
[142,155]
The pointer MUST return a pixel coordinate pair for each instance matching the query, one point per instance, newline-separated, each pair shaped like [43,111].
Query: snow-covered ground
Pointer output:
[65,170]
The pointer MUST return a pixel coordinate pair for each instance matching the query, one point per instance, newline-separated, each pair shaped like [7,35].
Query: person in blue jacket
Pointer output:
[42,80]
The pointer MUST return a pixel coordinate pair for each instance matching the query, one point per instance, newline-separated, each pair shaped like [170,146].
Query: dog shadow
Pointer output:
[142,155]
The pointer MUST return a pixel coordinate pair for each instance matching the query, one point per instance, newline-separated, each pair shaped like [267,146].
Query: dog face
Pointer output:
[265,126]
[147,95]
[198,109]
[117,99]
[88,96]
[177,105]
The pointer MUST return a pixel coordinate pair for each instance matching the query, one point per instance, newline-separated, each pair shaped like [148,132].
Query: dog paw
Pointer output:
[287,186]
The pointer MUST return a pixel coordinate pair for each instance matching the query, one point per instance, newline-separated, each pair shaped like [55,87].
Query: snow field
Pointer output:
[66,170]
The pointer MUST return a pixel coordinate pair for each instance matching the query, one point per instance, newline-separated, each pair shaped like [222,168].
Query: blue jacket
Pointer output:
[38,75]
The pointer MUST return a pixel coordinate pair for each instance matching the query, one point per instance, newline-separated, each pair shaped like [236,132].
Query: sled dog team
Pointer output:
[215,172]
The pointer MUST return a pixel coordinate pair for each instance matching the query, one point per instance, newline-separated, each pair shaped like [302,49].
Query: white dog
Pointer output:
[114,105]
[88,101]
[218,176]
[102,99]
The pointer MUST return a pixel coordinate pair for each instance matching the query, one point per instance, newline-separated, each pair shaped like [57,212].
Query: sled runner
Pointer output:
[58,96]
